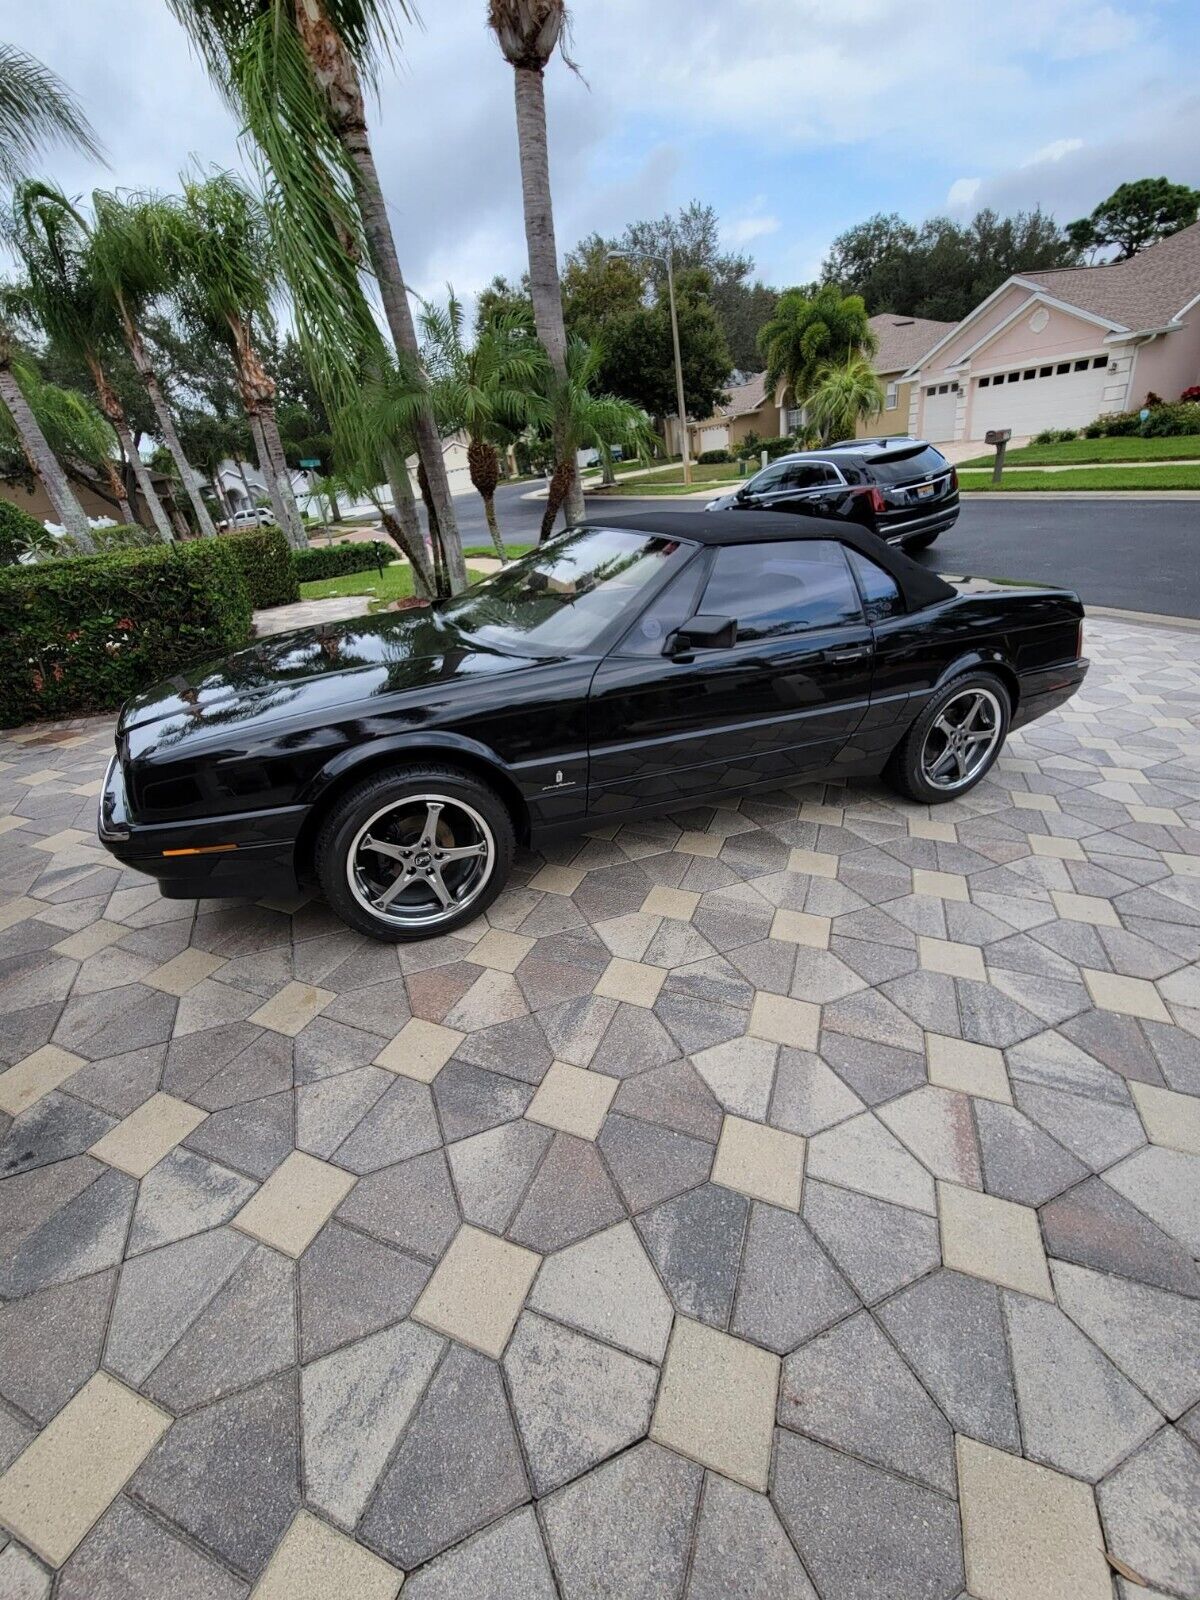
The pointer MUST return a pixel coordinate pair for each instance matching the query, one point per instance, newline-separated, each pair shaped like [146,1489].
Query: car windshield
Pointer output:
[562,596]
[907,466]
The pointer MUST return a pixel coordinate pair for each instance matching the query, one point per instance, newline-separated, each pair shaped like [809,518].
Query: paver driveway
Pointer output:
[794,1199]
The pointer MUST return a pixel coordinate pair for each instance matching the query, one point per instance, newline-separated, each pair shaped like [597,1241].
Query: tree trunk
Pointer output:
[257,389]
[483,463]
[337,78]
[404,509]
[44,464]
[544,285]
[335,511]
[111,405]
[265,467]
[294,526]
[241,467]
[441,574]
[560,486]
[166,423]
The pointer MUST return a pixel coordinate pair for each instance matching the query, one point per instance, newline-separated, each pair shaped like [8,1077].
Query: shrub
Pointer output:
[773,447]
[19,532]
[712,457]
[333,560]
[1169,422]
[1192,394]
[83,634]
[1066,435]
[264,556]
[1094,430]
[1047,436]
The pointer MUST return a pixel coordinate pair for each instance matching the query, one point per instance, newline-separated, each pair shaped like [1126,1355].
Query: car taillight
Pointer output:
[878,503]
[1079,641]
[954,477]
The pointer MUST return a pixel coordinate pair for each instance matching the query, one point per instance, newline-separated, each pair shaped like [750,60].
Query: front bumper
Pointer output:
[251,855]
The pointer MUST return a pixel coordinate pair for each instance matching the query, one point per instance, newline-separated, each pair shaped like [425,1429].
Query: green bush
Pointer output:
[1047,436]
[1056,436]
[264,556]
[333,560]
[84,634]
[1170,422]
[773,447]
[712,457]
[19,532]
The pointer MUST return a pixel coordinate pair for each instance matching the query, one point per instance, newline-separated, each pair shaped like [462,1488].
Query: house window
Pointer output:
[1063,366]
[794,418]
[1099,361]
[983,382]
[1081,366]
[1014,377]
[892,395]
[1045,372]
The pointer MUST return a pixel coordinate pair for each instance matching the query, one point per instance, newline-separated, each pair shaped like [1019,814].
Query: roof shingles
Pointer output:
[1147,291]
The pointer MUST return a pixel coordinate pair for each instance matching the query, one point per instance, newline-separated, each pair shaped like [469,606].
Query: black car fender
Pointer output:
[435,744]
[990,660]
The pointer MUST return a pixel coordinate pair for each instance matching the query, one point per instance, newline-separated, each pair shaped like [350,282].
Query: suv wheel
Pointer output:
[414,852]
[954,741]
[920,541]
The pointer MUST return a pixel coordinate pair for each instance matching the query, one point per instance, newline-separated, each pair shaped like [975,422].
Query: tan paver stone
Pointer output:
[1085,908]
[500,950]
[33,780]
[65,839]
[666,902]
[691,843]
[717,1402]
[632,981]
[146,1135]
[1134,997]
[36,1075]
[557,880]
[764,1163]
[1123,775]
[1189,866]
[572,1100]
[91,940]
[1048,844]
[785,1021]
[926,828]
[1164,816]
[10,824]
[1028,1533]
[995,1239]
[293,1008]
[14,911]
[420,1050]
[477,1290]
[814,863]
[1170,1119]
[185,971]
[941,885]
[831,816]
[295,1202]
[798,927]
[958,960]
[1034,802]
[971,1068]
[69,1475]
[315,1562]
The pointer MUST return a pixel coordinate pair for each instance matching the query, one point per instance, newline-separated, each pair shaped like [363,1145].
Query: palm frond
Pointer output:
[37,109]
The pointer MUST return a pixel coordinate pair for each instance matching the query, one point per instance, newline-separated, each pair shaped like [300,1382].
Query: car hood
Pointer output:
[312,672]
[1000,586]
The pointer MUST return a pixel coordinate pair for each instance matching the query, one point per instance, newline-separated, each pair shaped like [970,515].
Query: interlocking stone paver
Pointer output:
[571,1196]
[1151,1511]
[505,1562]
[78,1237]
[476,1291]
[993,1239]
[878,1246]
[1165,1184]
[1095,1226]
[52,1342]
[296,1201]
[936,1125]
[695,1241]
[313,1560]
[861,1154]
[717,1400]
[36,1075]
[856,1526]
[1021,1162]
[130,1555]
[350,1285]
[411,1205]
[606,1286]
[742,1550]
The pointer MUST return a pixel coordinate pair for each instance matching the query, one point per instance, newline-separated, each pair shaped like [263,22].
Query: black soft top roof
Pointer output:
[917,584]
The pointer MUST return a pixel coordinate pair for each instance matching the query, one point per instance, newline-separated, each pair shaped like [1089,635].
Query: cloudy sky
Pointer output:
[794,118]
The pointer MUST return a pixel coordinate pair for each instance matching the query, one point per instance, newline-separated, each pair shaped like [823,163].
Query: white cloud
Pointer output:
[962,191]
[741,230]
[1054,151]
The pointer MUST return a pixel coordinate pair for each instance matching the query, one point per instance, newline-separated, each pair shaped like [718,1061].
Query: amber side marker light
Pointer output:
[201,850]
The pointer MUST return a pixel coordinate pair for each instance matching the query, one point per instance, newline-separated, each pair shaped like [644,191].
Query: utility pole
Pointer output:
[667,261]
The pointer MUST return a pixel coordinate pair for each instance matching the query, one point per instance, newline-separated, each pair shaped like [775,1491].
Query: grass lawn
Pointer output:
[395,584]
[670,483]
[1153,478]
[1076,452]
[488,551]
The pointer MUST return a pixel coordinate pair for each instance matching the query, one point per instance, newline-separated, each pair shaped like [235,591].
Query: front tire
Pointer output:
[954,742]
[414,852]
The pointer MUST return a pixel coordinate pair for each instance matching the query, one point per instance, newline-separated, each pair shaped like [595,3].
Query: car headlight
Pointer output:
[711,505]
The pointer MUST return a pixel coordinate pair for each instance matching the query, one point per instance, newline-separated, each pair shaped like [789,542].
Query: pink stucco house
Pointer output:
[1056,349]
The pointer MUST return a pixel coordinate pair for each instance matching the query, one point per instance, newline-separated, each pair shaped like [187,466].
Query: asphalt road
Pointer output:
[1137,555]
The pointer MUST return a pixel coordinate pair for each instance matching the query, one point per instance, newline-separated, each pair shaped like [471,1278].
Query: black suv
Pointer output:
[902,489]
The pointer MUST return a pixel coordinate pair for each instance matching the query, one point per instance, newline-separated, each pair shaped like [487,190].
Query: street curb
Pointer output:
[1152,619]
[1082,494]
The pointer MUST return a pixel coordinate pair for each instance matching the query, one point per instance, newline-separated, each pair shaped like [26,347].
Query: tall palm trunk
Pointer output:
[43,463]
[544,285]
[257,389]
[411,539]
[110,404]
[557,496]
[296,535]
[166,423]
[483,463]
[336,75]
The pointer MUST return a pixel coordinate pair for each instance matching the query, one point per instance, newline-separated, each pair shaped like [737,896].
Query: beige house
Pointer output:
[749,409]
[901,344]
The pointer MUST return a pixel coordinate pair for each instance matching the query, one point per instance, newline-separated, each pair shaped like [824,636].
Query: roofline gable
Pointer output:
[1037,294]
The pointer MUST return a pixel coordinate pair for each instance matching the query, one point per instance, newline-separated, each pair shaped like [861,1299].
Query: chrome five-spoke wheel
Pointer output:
[421,861]
[962,739]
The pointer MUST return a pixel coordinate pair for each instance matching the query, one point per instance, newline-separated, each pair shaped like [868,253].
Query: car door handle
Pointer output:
[852,652]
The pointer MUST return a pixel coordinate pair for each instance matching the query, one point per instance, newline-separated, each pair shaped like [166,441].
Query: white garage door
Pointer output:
[714,439]
[937,416]
[1067,394]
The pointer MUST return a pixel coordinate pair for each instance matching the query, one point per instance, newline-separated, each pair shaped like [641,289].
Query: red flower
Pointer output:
[71,637]
[125,624]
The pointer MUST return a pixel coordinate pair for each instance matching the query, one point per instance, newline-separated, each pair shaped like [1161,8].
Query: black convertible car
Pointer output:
[635,664]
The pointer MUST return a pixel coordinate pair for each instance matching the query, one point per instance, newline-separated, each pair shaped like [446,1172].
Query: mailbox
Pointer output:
[997,436]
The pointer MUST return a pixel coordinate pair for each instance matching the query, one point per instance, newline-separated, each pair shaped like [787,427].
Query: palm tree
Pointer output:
[806,333]
[581,418]
[36,109]
[295,70]
[64,301]
[125,263]
[17,379]
[528,33]
[490,389]
[842,395]
[215,245]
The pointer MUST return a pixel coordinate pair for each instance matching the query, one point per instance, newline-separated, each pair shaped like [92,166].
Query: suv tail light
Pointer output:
[875,496]
[1079,641]
[954,477]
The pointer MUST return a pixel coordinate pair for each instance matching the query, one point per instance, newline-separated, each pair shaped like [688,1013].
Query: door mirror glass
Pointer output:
[704,633]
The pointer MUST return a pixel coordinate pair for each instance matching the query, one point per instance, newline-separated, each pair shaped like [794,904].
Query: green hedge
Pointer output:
[708,458]
[331,561]
[82,635]
[265,558]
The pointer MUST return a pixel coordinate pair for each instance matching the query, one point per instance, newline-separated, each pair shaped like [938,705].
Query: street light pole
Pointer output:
[685,453]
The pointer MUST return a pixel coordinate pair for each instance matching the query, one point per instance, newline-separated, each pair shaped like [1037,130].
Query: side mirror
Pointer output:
[703,633]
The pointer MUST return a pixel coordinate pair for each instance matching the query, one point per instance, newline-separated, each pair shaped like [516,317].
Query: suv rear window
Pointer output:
[907,466]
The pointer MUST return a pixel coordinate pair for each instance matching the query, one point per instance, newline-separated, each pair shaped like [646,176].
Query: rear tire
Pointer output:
[954,742]
[414,852]
[921,541]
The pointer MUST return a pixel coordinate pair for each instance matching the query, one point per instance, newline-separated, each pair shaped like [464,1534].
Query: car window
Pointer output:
[806,475]
[880,592]
[768,478]
[773,590]
[565,594]
[908,466]
[669,610]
